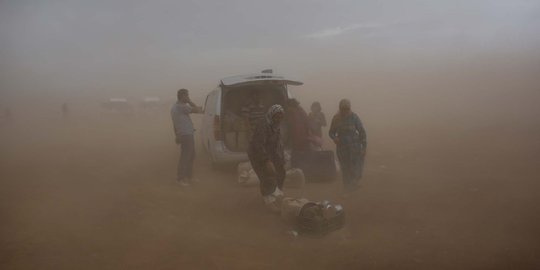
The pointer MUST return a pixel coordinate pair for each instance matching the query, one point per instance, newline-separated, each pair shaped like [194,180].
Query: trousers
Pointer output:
[187,156]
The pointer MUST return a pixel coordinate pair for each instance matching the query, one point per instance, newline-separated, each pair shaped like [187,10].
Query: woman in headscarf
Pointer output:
[349,135]
[267,157]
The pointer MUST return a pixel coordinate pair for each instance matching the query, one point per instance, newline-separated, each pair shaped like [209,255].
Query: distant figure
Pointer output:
[317,119]
[65,110]
[7,114]
[349,136]
[267,157]
[184,130]
[254,112]
[297,126]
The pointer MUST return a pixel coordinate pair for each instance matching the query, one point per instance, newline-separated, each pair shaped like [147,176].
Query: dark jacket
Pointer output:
[266,145]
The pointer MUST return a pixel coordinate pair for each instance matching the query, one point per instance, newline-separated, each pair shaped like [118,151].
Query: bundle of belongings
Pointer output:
[236,131]
[312,218]
[294,177]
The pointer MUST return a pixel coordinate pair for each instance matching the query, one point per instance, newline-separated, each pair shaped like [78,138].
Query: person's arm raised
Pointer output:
[195,108]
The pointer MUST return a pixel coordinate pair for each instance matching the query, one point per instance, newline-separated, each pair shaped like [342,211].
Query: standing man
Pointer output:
[267,157]
[7,114]
[184,130]
[349,136]
[65,110]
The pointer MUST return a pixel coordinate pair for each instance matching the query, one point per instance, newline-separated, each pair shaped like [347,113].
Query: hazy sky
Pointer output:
[68,46]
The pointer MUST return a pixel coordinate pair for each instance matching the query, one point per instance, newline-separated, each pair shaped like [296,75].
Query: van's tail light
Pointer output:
[217,128]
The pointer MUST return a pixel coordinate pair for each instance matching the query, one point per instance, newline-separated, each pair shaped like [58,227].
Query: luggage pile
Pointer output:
[306,217]
[319,219]
[313,218]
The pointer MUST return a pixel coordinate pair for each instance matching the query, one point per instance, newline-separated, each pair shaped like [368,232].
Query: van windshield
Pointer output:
[244,107]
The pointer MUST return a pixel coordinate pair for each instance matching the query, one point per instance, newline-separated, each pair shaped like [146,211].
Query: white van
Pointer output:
[224,133]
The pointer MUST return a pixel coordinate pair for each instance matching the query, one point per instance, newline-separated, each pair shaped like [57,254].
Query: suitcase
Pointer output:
[318,166]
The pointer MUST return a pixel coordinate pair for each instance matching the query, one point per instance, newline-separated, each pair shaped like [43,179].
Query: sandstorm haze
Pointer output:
[71,49]
[448,91]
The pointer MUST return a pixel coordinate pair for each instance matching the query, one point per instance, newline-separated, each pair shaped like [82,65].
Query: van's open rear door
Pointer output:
[243,80]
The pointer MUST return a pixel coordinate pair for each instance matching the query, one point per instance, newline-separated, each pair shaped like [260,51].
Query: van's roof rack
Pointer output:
[265,75]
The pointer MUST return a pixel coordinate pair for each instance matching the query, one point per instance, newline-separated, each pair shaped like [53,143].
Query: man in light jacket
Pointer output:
[184,132]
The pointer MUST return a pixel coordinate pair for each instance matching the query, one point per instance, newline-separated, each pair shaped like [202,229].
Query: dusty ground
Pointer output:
[100,194]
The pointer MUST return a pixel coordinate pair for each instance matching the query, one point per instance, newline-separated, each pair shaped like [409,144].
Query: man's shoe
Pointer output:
[273,203]
[269,199]
[278,192]
[184,183]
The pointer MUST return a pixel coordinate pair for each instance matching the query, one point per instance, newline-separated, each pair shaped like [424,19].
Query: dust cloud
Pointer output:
[450,182]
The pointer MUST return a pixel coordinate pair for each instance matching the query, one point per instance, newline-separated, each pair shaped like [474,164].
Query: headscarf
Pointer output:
[344,103]
[276,108]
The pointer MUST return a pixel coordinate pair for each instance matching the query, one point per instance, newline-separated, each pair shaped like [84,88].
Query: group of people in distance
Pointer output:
[266,144]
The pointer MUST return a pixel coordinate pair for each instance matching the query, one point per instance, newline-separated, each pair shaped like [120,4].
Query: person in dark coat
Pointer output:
[297,126]
[349,135]
[267,157]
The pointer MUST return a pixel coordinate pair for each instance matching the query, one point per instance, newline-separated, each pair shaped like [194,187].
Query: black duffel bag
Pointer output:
[313,221]
[318,166]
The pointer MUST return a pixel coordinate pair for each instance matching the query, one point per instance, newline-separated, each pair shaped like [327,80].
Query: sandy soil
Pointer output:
[101,194]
